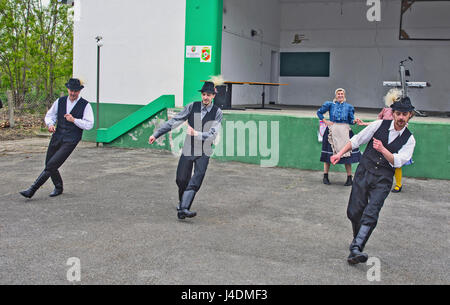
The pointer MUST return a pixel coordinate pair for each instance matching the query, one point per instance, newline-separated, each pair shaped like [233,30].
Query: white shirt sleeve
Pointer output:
[52,115]
[366,134]
[405,153]
[400,158]
[87,122]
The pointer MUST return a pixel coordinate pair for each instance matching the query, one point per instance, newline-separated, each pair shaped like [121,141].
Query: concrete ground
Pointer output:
[254,225]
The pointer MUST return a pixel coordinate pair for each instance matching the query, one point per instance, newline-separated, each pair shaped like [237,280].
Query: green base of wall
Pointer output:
[138,136]
[109,115]
[298,144]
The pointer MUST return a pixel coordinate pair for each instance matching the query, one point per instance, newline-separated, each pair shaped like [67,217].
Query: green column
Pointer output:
[203,28]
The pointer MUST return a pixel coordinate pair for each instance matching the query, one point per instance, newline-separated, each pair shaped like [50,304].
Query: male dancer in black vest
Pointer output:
[204,121]
[73,114]
[390,146]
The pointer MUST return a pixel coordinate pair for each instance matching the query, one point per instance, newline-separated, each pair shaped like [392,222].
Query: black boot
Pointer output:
[325,179]
[349,181]
[357,246]
[36,185]
[355,228]
[57,181]
[185,205]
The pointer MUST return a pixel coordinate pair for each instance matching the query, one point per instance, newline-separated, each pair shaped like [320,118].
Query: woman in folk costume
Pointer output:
[338,133]
[394,95]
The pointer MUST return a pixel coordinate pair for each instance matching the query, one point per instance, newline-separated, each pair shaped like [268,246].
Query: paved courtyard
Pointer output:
[255,225]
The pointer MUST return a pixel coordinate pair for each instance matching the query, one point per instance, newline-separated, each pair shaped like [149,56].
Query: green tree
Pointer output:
[15,20]
[53,33]
[36,49]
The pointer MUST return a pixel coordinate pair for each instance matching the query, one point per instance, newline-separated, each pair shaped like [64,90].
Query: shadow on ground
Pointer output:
[254,225]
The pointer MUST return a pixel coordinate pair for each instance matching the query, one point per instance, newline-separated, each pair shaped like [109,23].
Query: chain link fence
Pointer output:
[26,117]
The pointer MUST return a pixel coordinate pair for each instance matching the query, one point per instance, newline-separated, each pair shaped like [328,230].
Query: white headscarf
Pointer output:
[336,91]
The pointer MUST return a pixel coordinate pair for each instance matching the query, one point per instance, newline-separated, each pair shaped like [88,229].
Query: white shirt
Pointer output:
[401,157]
[86,123]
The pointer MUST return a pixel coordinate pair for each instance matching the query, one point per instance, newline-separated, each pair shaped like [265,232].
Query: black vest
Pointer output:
[65,130]
[374,161]
[192,145]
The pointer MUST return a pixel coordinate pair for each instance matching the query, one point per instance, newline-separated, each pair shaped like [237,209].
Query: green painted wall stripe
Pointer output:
[110,114]
[107,135]
[137,137]
[298,144]
[203,28]
[299,147]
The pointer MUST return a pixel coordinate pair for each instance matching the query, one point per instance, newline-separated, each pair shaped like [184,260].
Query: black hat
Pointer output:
[403,105]
[74,84]
[208,87]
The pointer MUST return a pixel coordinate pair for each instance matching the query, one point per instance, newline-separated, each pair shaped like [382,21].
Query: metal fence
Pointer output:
[30,112]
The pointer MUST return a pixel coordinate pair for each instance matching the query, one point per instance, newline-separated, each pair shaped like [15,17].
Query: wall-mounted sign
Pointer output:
[206,54]
[193,52]
[202,52]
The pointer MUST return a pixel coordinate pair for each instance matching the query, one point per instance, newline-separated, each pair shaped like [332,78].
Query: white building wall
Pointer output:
[143,53]
[142,56]
[363,53]
[247,58]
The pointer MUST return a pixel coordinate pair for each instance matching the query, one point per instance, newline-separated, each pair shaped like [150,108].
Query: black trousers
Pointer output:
[185,180]
[368,194]
[57,153]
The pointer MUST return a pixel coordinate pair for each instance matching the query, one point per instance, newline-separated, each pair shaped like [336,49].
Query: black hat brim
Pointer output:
[403,109]
[74,88]
[404,105]
[207,91]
